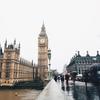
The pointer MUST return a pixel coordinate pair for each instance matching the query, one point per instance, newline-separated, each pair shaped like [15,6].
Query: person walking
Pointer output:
[58,78]
[62,81]
[67,79]
[55,78]
[73,76]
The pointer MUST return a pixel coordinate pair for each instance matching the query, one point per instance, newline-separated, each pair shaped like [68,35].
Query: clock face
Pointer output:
[42,41]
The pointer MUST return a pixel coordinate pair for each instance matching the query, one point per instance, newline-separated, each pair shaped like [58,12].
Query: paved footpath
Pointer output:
[53,91]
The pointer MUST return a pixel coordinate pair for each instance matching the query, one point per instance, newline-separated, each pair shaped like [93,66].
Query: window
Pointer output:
[7,70]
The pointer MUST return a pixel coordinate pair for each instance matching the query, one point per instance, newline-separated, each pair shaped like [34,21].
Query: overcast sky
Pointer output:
[71,26]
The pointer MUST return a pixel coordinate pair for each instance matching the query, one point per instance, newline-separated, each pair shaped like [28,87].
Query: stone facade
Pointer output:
[43,54]
[13,68]
[80,63]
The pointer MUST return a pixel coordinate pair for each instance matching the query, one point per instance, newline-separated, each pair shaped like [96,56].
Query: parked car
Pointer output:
[79,77]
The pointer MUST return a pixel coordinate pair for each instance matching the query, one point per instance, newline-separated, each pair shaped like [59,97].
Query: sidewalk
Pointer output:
[77,91]
[67,92]
[53,91]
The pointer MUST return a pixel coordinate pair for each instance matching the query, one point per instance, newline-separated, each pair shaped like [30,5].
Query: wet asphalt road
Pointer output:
[79,91]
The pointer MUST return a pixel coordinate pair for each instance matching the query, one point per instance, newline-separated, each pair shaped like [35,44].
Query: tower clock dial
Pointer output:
[42,41]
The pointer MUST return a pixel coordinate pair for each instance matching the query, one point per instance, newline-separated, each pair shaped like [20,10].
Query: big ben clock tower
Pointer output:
[43,54]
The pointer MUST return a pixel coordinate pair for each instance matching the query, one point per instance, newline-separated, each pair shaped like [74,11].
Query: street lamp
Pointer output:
[49,58]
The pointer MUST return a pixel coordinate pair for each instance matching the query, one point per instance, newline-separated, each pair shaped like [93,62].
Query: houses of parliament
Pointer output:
[15,69]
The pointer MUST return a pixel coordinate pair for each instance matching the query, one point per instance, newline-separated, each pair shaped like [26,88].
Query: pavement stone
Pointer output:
[52,92]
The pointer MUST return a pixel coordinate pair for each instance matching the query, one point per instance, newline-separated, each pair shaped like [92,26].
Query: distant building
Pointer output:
[80,63]
[13,68]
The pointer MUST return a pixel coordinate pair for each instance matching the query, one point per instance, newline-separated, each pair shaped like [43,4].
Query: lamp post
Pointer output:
[49,58]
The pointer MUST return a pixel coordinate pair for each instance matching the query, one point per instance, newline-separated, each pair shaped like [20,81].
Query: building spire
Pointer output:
[43,30]
[19,46]
[15,42]
[43,27]
[0,49]
[97,53]
[79,54]
[87,54]
[6,43]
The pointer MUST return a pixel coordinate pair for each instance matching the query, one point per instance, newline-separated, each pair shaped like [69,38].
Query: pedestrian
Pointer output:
[67,79]
[85,78]
[62,80]
[73,75]
[55,78]
[58,78]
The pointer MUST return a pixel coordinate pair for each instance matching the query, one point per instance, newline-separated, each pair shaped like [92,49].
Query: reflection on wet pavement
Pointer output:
[80,92]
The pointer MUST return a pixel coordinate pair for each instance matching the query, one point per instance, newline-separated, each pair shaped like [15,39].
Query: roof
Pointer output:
[43,31]
[84,59]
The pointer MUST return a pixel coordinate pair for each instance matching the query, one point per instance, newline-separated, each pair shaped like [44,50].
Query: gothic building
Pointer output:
[80,63]
[43,54]
[13,68]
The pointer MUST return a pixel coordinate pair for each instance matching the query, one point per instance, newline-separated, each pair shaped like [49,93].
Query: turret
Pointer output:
[19,46]
[1,53]
[43,28]
[5,44]
[87,53]
[43,31]
[78,54]
[12,47]
[14,42]
[97,53]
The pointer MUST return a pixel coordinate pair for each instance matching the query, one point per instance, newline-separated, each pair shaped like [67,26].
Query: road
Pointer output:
[79,91]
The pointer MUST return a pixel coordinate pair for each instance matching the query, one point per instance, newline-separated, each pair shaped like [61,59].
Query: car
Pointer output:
[79,77]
